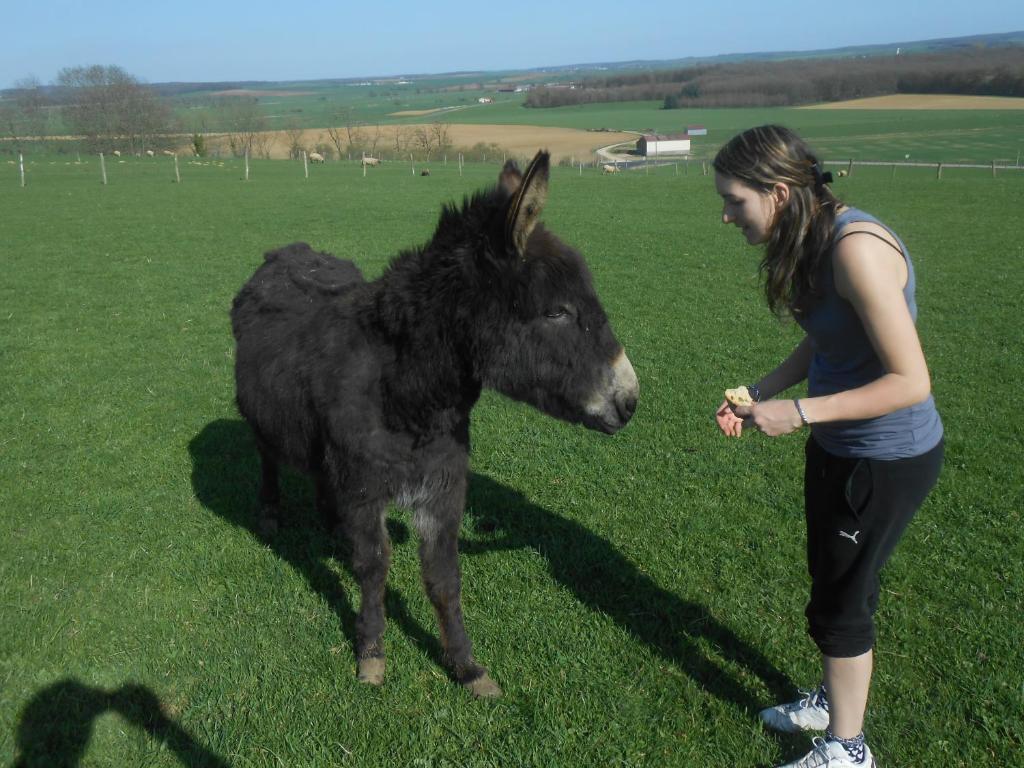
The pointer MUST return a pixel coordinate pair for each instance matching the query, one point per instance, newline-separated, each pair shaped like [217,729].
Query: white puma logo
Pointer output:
[851,536]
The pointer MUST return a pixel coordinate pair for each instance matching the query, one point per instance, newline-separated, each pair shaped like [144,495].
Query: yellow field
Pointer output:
[518,140]
[925,101]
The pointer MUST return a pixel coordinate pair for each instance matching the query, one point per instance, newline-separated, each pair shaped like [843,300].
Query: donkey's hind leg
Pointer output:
[270,492]
[371,556]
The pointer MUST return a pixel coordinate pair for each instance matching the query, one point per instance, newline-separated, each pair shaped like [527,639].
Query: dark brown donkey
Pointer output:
[368,387]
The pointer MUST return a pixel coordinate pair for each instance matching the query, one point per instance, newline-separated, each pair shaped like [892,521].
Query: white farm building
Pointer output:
[653,145]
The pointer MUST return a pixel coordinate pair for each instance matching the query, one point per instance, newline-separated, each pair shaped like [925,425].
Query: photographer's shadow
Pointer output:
[57,723]
[225,478]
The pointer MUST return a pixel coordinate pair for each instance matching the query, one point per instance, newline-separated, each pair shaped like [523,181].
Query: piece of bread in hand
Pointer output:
[739,396]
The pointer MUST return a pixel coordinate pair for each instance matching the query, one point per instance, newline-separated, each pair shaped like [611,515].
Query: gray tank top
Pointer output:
[845,359]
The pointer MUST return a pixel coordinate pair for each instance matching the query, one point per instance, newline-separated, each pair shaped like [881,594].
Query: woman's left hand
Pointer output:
[773,417]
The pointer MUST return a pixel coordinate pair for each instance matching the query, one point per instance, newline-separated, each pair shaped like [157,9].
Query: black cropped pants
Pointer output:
[856,510]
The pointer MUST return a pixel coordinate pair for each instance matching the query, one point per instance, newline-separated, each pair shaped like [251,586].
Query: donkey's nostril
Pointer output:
[626,407]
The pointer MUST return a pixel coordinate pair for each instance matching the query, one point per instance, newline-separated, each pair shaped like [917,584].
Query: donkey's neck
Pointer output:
[432,385]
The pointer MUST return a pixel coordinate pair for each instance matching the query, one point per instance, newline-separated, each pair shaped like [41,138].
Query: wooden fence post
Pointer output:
[938,172]
[21,168]
[305,163]
[993,169]
[177,175]
[103,168]
[246,164]
[849,167]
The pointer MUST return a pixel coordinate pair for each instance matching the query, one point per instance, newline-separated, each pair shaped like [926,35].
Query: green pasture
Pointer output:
[638,597]
[948,136]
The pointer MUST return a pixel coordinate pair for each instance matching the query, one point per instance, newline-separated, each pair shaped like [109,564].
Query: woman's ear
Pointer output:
[780,193]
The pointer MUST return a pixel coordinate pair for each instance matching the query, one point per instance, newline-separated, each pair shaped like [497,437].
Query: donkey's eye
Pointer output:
[557,313]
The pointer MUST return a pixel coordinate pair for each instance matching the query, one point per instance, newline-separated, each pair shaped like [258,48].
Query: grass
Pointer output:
[637,597]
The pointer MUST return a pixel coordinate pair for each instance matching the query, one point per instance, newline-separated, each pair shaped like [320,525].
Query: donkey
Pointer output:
[368,386]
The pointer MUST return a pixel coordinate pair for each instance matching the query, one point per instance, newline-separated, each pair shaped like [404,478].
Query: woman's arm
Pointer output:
[871,275]
[789,372]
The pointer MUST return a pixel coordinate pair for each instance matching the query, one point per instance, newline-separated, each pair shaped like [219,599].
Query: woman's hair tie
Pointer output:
[821,178]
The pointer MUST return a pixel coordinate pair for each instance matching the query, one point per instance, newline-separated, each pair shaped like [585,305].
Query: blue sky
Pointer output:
[257,40]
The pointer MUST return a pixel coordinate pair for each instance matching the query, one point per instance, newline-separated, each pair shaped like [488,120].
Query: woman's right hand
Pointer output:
[730,424]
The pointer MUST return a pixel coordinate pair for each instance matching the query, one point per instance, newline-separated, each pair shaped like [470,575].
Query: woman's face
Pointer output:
[748,208]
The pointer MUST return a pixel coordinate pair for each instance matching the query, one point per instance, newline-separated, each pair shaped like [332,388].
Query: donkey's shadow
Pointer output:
[225,477]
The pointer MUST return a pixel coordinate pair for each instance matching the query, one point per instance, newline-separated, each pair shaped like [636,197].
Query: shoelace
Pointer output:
[808,698]
[820,751]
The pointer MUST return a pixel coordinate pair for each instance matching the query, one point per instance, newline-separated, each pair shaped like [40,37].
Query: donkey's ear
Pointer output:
[510,178]
[527,202]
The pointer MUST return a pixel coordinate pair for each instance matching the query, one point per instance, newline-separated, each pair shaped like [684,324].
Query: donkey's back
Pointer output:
[295,304]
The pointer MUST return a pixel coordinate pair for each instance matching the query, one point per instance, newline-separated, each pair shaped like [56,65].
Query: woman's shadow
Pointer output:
[225,475]
[56,725]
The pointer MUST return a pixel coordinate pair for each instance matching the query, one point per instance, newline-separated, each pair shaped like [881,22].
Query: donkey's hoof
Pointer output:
[484,687]
[371,671]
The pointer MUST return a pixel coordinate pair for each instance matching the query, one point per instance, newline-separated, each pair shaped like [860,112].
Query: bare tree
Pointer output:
[246,127]
[375,136]
[441,134]
[108,106]
[337,137]
[32,104]
[402,136]
[294,133]
[423,139]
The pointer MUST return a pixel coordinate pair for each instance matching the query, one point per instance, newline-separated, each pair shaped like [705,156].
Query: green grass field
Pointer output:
[967,135]
[637,597]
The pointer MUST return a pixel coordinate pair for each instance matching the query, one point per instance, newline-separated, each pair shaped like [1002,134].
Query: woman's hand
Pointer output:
[773,417]
[730,424]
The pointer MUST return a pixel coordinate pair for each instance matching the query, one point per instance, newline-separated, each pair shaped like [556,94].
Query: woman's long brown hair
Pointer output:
[800,231]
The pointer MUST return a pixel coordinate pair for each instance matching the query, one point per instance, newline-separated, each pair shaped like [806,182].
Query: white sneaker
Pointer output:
[831,754]
[802,715]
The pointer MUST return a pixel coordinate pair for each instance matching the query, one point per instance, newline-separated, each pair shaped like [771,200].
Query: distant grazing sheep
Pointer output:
[116,153]
[316,157]
[610,168]
[371,161]
[168,153]
[150,153]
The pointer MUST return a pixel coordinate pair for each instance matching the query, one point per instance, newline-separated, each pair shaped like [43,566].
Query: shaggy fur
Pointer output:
[368,387]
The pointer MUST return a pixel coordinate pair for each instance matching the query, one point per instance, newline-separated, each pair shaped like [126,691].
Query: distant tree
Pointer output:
[24,114]
[108,107]
[294,132]
[345,133]
[403,136]
[442,135]
[245,126]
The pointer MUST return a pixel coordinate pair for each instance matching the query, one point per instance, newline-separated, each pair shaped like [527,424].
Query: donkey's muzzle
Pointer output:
[611,410]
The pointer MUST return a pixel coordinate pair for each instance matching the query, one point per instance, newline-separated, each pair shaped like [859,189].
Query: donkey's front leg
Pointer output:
[439,565]
[371,556]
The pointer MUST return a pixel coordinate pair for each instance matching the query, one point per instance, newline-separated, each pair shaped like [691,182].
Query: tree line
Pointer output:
[983,71]
[105,105]
[105,108]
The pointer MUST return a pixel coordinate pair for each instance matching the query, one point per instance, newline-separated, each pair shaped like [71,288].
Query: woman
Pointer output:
[875,445]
